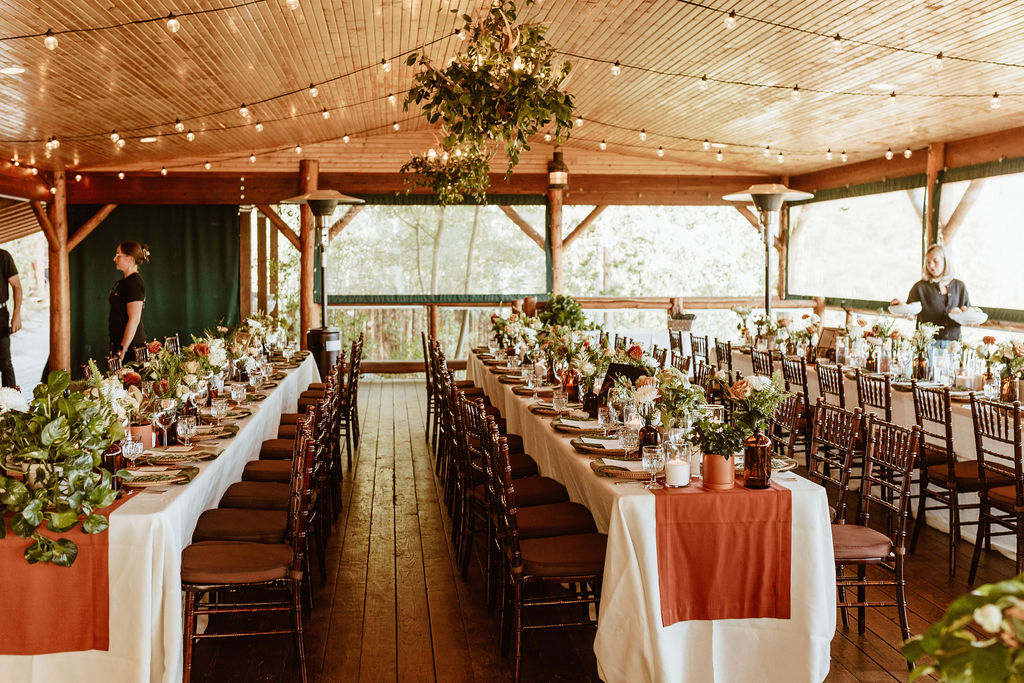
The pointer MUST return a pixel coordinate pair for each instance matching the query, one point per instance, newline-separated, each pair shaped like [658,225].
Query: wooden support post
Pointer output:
[963,209]
[936,162]
[343,222]
[749,215]
[309,174]
[555,196]
[584,224]
[261,263]
[275,267]
[279,223]
[433,321]
[514,216]
[90,225]
[60,276]
[781,248]
[244,262]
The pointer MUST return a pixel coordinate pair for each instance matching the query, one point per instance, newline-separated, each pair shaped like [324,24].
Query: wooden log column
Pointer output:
[309,172]
[275,267]
[555,199]
[261,263]
[54,223]
[244,262]
[936,162]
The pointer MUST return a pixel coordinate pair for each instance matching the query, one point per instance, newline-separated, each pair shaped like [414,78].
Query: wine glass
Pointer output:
[218,410]
[131,449]
[186,428]
[605,419]
[216,385]
[237,392]
[559,401]
[629,439]
[255,378]
[164,419]
[202,392]
[653,458]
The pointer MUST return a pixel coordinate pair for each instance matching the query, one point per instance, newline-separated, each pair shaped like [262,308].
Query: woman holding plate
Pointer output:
[939,292]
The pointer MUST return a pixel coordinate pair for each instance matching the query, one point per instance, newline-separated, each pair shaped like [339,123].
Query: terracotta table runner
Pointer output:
[55,609]
[724,554]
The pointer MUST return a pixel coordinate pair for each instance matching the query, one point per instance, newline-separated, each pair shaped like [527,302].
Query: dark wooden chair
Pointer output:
[794,374]
[831,454]
[114,363]
[675,342]
[997,429]
[699,348]
[831,383]
[942,476]
[885,484]
[620,343]
[430,385]
[874,394]
[660,356]
[681,363]
[702,374]
[141,353]
[784,425]
[723,354]
[172,344]
[762,362]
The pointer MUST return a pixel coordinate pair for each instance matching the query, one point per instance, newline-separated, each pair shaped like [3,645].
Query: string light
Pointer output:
[50,41]
[842,156]
[243,111]
[603,145]
[888,154]
[937,62]
[35,171]
[313,92]
[892,97]
[326,114]
[53,190]
[907,153]
[120,143]
[120,175]
[994,102]
[392,99]
[179,126]
[837,43]
[173,25]
[292,4]
[643,135]
[795,93]
[259,127]
[298,149]
[661,152]
[114,137]
[385,65]
[730,19]
[579,121]
[163,170]
[461,33]
[718,155]
[207,165]
[252,158]
[703,82]
[706,144]
[547,137]
[190,136]
[828,154]
[78,177]
[616,68]
[395,126]
[780,158]
[768,151]
[345,138]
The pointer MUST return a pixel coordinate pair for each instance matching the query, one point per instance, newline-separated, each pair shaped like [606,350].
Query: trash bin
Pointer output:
[325,345]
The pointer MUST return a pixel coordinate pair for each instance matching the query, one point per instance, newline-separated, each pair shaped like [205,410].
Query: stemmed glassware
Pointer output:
[605,419]
[559,401]
[218,410]
[653,459]
[629,439]
[165,416]
[186,428]
[131,449]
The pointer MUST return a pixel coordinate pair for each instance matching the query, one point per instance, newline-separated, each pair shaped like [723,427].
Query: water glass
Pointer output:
[186,428]
[218,410]
[605,419]
[255,378]
[131,449]
[629,439]
[715,413]
[992,386]
[216,385]
[237,392]
[559,401]
[653,459]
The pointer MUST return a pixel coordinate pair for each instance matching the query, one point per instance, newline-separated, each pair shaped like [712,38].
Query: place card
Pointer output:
[610,444]
[581,424]
[631,465]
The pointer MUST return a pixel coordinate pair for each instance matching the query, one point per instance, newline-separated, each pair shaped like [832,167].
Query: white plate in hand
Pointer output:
[969,317]
[906,309]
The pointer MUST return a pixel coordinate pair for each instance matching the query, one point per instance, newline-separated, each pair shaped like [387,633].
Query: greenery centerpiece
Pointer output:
[921,342]
[56,444]
[679,401]
[500,91]
[564,311]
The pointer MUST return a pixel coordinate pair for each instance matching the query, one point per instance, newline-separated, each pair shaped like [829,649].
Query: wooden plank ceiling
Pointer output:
[140,78]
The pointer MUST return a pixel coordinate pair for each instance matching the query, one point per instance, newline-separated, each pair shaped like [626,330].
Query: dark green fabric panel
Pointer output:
[1004,167]
[906,183]
[430,199]
[191,277]
[423,299]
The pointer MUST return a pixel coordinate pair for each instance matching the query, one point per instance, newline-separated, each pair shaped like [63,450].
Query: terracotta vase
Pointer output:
[757,461]
[719,472]
[1011,389]
[144,433]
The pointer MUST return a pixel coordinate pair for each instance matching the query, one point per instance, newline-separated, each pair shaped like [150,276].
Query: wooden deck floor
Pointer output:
[394,608]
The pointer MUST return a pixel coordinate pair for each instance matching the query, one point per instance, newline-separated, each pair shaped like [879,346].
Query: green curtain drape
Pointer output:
[191,278]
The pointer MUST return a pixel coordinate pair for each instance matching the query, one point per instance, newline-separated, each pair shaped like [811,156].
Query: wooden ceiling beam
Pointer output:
[39,209]
[18,182]
[869,171]
[90,225]
[279,223]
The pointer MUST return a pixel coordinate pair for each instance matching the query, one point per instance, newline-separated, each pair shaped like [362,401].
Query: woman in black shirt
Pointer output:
[127,299]
[939,292]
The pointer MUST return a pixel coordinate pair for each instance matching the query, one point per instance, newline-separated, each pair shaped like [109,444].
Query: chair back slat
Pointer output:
[889,456]
[785,422]
[660,356]
[681,363]
[113,363]
[874,394]
[702,374]
[762,362]
[699,347]
[830,383]
[675,342]
[997,439]
[933,413]
[620,342]
[141,353]
[794,373]
[723,354]
[172,344]
[833,440]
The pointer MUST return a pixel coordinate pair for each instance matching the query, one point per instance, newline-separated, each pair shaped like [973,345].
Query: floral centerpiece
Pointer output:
[564,311]
[56,444]
[743,326]
[1011,355]
[679,401]
[987,351]
[756,398]
[921,342]
[766,328]
[979,638]
[637,357]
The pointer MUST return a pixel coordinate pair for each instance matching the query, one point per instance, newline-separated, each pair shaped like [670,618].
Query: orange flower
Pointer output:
[154,346]
[988,339]
[636,352]
[895,334]
[200,349]
[644,381]
[132,378]
[741,389]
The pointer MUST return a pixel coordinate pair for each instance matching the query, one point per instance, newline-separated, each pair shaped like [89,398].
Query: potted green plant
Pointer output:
[51,450]
[718,441]
[563,310]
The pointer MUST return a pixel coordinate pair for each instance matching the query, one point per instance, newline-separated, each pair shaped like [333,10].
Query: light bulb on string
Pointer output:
[661,152]
[259,127]
[780,158]
[35,171]
[326,114]
[53,190]
[345,138]
[50,41]
[616,68]
[892,97]
[767,151]
[395,126]
[794,94]
[207,165]
[78,177]
[252,158]
[907,153]
[298,149]
[291,4]
[190,136]
[163,170]
[718,155]
[313,92]
[392,100]
[843,157]
[706,145]
[547,137]
[837,43]
[702,84]
[994,102]
[114,137]
[730,19]
[173,25]
[55,142]
[120,143]
[643,135]
[603,145]
[937,62]
[579,121]
[461,33]
[828,154]
[385,65]
[120,175]
[179,126]
[243,111]
[888,154]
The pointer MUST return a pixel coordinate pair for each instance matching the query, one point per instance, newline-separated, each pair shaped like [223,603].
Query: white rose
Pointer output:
[192,367]
[11,399]
[759,382]
[190,380]
[989,617]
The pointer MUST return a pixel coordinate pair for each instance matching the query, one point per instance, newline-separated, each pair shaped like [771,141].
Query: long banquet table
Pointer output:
[147,535]
[631,643]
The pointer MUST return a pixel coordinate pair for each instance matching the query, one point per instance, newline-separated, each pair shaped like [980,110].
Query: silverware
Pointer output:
[631,481]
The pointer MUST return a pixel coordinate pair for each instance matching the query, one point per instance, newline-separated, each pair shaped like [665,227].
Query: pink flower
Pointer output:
[635,352]
[741,389]
[512,318]
[644,381]
[988,339]
[895,334]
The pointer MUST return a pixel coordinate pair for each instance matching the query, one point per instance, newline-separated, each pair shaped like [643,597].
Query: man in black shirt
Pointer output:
[10,321]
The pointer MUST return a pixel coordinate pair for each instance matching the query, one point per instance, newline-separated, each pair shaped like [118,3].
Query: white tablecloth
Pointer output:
[147,535]
[631,643]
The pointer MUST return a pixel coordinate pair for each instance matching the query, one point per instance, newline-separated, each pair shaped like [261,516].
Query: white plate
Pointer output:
[970,317]
[906,309]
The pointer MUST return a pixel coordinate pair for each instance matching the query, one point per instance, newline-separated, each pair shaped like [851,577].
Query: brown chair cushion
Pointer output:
[313,393]
[522,465]
[931,454]
[316,385]
[515,443]
[291,418]
[855,542]
[472,392]
[236,524]
[555,519]
[465,384]
[261,495]
[1004,497]
[277,449]
[531,491]
[287,431]
[965,471]
[268,470]
[305,402]
[575,555]
[220,562]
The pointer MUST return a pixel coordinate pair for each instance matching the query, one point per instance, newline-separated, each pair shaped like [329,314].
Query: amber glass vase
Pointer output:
[649,434]
[920,368]
[757,459]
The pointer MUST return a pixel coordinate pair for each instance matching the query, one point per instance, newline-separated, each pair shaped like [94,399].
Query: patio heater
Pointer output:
[323,342]
[767,199]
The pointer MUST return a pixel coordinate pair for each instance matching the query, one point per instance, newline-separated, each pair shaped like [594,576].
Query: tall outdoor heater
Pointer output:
[323,342]
[767,199]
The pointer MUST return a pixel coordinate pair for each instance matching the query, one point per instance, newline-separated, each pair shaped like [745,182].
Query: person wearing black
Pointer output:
[10,321]
[127,298]
[938,291]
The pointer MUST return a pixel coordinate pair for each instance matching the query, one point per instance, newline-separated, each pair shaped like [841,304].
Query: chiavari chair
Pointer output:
[784,425]
[141,353]
[874,394]
[702,374]
[998,429]
[172,344]
[762,362]
[620,342]
[681,363]
[831,453]
[430,386]
[675,342]
[831,383]
[699,348]
[794,374]
[660,356]
[723,354]
[885,484]
[114,363]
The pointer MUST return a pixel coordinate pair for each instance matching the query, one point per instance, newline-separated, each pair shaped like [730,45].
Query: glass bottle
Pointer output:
[757,459]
